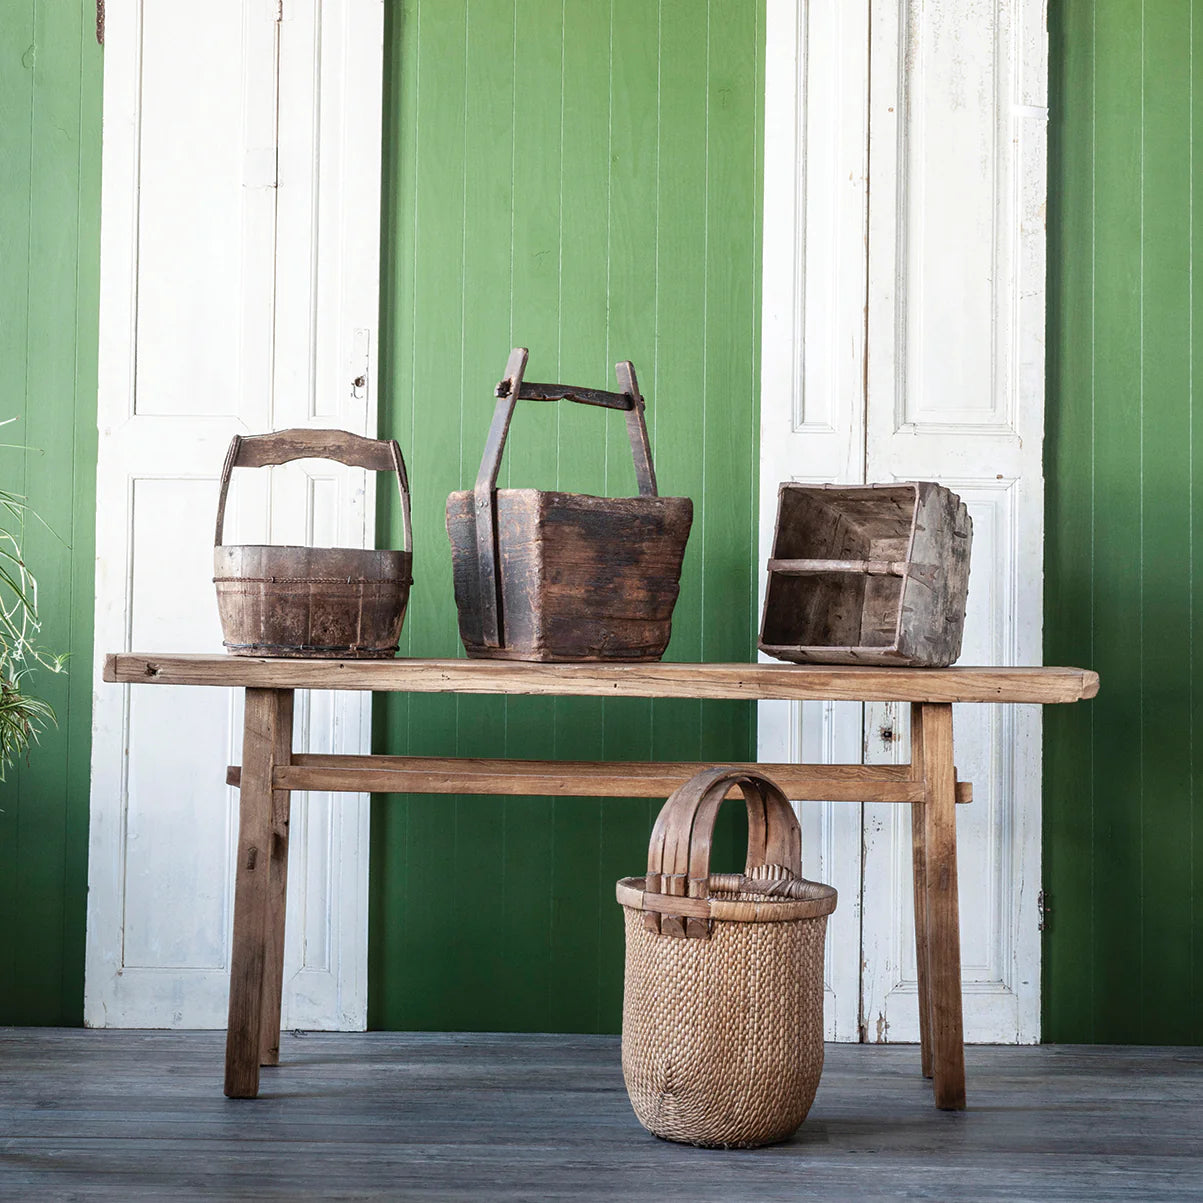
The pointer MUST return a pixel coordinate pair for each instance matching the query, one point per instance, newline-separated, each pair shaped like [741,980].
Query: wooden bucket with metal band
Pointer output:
[564,576]
[722,1018]
[331,602]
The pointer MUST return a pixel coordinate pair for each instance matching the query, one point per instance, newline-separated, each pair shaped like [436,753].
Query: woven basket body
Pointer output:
[722,1039]
[722,1022]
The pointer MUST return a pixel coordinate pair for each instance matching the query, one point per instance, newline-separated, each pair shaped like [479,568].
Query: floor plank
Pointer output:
[120,1115]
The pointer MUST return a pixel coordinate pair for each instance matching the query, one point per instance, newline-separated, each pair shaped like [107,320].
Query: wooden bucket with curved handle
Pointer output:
[327,602]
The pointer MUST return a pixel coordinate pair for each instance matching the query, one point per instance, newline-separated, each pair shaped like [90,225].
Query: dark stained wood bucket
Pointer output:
[564,576]
[327,602]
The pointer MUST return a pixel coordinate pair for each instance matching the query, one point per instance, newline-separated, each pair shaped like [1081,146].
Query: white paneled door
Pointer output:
[239,292]
[903,340]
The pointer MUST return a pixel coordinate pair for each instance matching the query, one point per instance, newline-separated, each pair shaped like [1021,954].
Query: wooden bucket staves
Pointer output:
[327,602]
[564,576]
[722,1015]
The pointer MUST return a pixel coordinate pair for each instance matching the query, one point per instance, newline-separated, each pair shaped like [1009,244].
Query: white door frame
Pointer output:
[813,386]
[301,86]
[849,284]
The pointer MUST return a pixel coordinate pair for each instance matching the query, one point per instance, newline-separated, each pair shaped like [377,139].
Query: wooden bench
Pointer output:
[270,771]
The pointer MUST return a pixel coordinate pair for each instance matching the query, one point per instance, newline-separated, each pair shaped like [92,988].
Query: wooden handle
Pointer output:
[569,392]
[678,855]
[509,392]
[284,446]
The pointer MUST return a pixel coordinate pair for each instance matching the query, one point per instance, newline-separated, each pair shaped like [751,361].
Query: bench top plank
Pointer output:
[796,682]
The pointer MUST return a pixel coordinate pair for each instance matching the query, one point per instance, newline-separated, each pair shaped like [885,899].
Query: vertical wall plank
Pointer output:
[389,824]
[536,51]
[631,231]
[1165,1011]
[733,214]
[581,922]
[590,203]
[487,253]
[49,210]
[1068,969]
[1122,845]
[420,357]
[1192,906]
[17,95]
[1119,399]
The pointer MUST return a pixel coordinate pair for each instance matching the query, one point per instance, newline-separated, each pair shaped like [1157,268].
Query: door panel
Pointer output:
[943,286]
[812,387]
[239,294]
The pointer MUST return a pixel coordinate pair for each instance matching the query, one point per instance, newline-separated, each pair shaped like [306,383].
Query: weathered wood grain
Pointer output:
[312,601]
[333,602]
[580,578]
[933,777]
[583,779]
[548,576]
[1041,686]
[867,574]
[263,738]
[919,893]
[284,446]
[120,1115]
[943,923]
[277,887]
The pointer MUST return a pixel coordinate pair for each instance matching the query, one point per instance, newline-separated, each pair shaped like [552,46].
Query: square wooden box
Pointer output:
[867,574]
[579,577]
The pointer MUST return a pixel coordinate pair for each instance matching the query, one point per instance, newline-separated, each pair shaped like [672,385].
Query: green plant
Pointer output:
[22,716]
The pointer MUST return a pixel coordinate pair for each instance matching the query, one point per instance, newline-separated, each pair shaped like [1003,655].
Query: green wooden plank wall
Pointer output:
[50,73]
[1123,848]
[582,178]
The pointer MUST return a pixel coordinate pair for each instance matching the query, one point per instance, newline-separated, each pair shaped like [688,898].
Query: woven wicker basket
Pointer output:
[722,1020]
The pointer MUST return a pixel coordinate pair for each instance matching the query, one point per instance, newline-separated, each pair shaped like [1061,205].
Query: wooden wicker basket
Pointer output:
[722,1018]
[564,576]
[328,602]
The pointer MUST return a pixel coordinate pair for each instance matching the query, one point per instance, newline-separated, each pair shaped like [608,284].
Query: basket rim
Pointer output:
[631,892]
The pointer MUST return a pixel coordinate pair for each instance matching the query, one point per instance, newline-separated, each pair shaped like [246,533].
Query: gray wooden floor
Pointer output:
[123,1115]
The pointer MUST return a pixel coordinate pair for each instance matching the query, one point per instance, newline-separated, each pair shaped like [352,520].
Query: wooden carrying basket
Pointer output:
[722,1016]
[329,602]
[565,576]
[868,574]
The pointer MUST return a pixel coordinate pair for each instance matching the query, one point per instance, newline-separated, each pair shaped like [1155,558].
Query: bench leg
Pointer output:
[267,732]
[277,896]
[943,919]
[919,876]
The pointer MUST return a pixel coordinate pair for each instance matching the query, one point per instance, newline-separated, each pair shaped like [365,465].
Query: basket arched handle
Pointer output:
[283,446]
[678,856]
[509,392]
